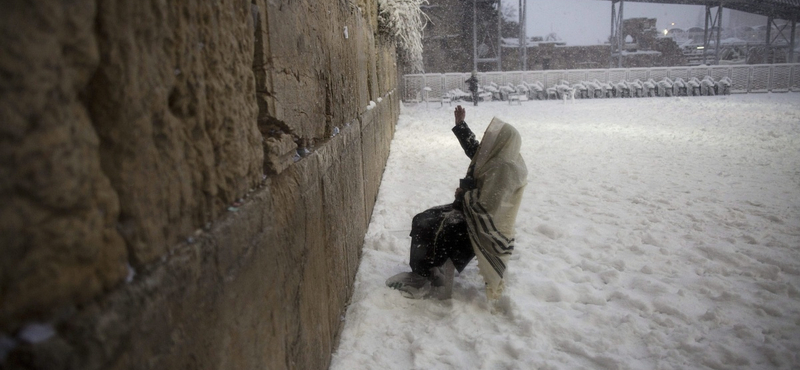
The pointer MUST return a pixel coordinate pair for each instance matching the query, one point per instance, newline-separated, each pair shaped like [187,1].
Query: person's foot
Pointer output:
[410,284]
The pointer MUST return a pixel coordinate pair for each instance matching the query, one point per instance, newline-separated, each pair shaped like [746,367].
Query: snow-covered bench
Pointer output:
[565,92]
[535,90]
[649,87]
[581,89]
[621,89]
[724,86]
[665,87]
[447,99]
[682,88]
[693,86]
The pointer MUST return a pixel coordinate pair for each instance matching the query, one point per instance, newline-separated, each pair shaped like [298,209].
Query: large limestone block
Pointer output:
[294,54]
[377,130]
[173,101]
[343,190]
[386,67]
[58,212]
[310,62]
[221,302]
[314,336]
[373,168]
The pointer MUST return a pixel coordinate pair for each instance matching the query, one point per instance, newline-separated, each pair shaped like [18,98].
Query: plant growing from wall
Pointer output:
[402,21]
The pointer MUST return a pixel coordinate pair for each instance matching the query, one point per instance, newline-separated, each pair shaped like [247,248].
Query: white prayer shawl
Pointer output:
[491,208]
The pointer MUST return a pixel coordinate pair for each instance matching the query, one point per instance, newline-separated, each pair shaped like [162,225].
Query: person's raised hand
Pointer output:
[460,114]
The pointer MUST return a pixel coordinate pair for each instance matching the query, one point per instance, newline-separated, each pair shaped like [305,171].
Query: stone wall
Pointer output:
[186,184]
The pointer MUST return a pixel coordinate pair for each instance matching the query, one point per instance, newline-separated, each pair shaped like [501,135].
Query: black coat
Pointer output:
[470,145]
[473,84]
[441,232]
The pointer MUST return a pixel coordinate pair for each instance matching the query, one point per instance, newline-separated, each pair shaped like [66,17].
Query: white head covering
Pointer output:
[491,208]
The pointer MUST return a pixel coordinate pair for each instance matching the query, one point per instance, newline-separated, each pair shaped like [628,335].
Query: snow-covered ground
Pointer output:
[655,233]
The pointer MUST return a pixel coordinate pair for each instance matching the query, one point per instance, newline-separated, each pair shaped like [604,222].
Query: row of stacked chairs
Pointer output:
[598,89]
[637,88]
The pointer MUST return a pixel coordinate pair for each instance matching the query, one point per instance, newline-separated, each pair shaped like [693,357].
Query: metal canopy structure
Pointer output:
[523,49]
[779,9]
[788,10]
[475,58]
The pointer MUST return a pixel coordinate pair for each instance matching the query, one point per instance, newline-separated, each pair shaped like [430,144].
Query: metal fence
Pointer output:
[745,78]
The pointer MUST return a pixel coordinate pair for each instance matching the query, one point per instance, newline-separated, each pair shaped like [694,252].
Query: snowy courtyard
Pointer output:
[654,233]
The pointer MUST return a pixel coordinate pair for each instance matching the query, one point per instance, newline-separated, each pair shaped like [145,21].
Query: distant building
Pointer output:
[644,47]
[448,43]
[743,40]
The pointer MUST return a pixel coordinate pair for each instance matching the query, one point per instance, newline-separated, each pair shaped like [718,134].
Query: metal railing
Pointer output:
[745,78]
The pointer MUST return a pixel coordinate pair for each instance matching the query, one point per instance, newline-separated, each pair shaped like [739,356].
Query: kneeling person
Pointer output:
[479,222]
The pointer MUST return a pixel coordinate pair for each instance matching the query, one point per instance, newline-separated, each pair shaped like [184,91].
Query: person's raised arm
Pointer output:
[460,114]
[465,136]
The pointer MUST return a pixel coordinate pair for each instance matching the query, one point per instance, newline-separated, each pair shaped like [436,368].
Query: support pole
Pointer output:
[791,42]
[770,20]
[525,34]
[719,32]
[705,35]
[474,35]
[521,39]
[499,35]
[620,33]
[769,30]
[612,37]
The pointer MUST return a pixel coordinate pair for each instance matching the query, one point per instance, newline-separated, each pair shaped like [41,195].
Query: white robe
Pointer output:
[491,208]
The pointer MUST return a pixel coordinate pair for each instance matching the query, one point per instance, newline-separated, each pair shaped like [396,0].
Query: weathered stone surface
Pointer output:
[137,124]
[386,69]
[173,101]
[264,288]
[375,139]
[310,67]
[279,153]
[57,209]
[345,210]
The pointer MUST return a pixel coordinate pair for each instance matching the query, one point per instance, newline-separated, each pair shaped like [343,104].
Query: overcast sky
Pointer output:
[588,22]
